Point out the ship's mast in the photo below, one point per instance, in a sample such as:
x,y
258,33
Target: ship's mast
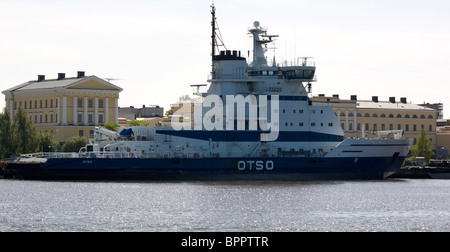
x,y
213,34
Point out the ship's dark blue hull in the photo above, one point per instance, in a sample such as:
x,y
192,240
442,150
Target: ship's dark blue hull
x,y
209,169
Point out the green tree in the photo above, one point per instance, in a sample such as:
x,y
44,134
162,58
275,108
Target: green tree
x,y
6,143
74,144
138,123
25,135
112,126
423,147
47,142
169,112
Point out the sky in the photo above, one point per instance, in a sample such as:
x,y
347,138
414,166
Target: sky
x,y
155,50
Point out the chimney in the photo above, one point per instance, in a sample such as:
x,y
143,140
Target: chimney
x,y
403,100
41,78
392,99
354,98
375,98
61,76
80,74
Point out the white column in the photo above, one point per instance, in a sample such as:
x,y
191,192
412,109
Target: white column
x,y
96,111
86,122
11,109
75,110
107,109
346,120
116,111
64,110
58,111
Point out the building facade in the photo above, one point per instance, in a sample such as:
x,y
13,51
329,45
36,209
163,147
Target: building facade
x,y
66,107
132,113
363,117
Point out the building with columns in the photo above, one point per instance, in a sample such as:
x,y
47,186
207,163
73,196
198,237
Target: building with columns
x,y
363,117
66,107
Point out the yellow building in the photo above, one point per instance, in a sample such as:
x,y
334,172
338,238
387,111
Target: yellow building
x,y
360,117
66,107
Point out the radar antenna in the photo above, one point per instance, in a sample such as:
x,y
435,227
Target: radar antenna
x,y
111,79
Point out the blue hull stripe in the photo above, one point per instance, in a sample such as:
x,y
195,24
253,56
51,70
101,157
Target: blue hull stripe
x,y
253,136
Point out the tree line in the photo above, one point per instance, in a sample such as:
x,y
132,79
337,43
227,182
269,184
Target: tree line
x,y
20,136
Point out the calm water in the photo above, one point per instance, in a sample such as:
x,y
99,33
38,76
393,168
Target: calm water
x,y
393,205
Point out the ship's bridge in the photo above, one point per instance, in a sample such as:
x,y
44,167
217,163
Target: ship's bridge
x,y
303,70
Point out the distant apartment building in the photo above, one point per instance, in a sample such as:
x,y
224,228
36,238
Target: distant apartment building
x,y
131,113
64,106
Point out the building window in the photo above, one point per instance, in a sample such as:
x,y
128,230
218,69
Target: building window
x,y
430,128
367,127
100,118
90,103
79,117
100,104
407,116
51,103
367,115
391,127
399,116
407,127
46,118
414,127
80,103
81,133
375,115
399,127
51,117
90,118
375,127
46,103
40,104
